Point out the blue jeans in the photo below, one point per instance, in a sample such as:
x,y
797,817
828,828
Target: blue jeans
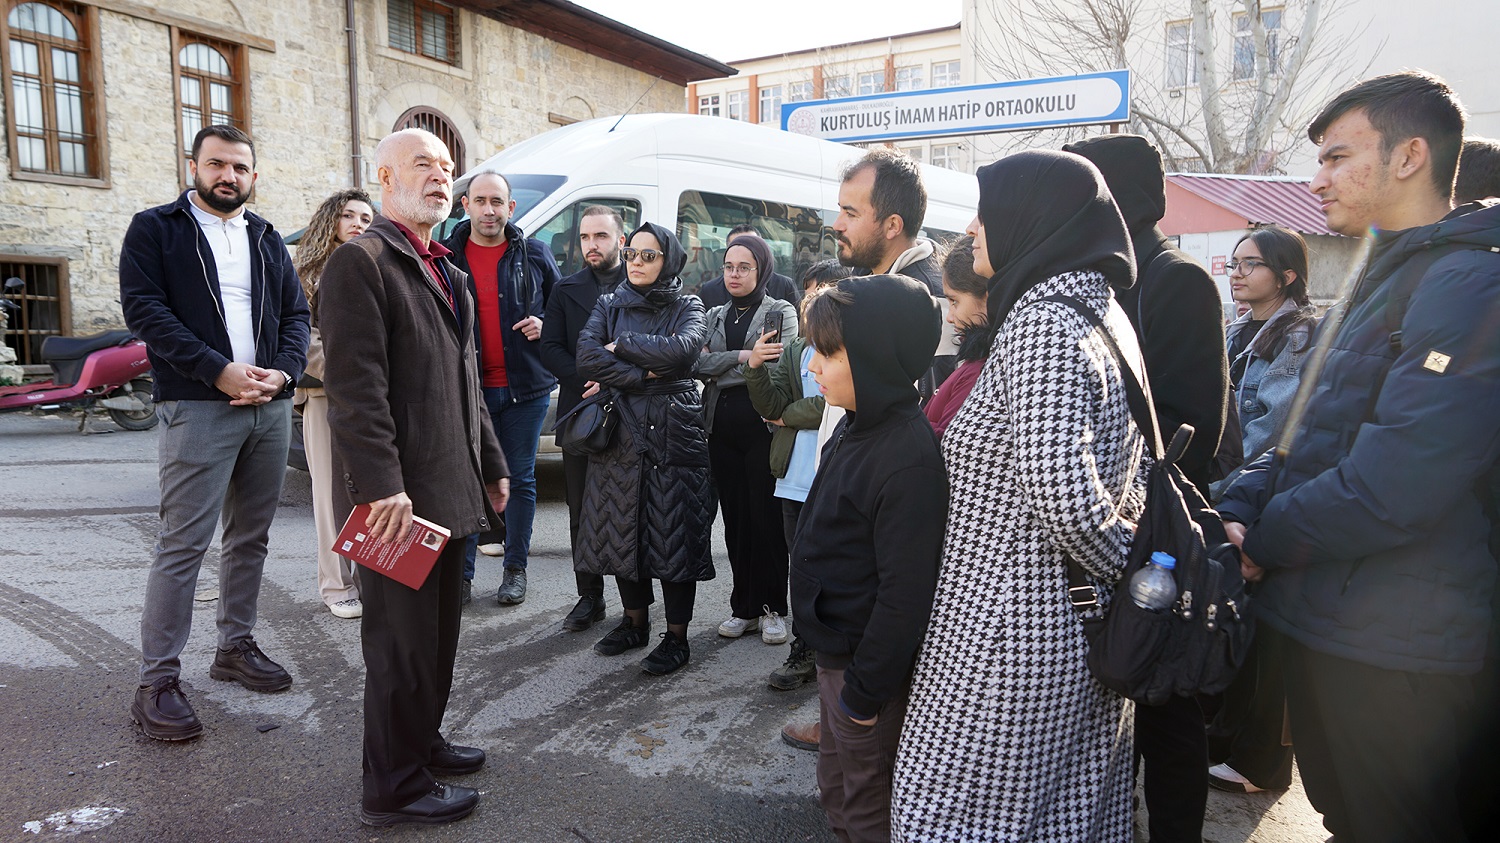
x,y
518,426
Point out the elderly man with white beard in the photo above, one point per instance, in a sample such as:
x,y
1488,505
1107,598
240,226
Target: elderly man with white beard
x,y
410,435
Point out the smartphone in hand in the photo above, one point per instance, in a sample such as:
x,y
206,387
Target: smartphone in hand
x,y
772,326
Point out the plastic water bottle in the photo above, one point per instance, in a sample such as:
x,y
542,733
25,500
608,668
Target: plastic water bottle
x,y
1153,587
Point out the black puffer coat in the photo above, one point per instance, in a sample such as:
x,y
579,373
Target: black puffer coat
x,y
649,506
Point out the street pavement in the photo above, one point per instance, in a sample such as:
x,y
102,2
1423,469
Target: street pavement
x,y
581,747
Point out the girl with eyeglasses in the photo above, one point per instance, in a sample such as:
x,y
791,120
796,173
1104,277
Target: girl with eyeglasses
x,y
648,508
739,442
1266,347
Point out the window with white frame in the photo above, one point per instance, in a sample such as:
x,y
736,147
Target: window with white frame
x,y
770,104
872,83
945,74
1182,70
800,92
709,105
946,155
1244,43
737,105
909,78
836,86
915,153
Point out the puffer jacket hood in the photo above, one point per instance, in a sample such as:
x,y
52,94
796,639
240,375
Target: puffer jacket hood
x,y
890,329
1133,172
1477,224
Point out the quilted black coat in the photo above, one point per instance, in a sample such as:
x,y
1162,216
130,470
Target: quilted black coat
x,y
649,505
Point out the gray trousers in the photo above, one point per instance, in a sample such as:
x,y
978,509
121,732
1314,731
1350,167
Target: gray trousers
x,y
214,459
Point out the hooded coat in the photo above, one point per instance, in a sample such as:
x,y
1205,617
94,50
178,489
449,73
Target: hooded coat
x,y
649,506
1008,736
1174,306
1374,540
865,555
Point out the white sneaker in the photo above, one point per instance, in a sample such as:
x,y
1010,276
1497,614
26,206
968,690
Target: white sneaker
x,y
772,627
495,549
1226,778
735,627
347,609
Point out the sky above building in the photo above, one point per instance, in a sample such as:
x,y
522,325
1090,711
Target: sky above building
x,y
734,31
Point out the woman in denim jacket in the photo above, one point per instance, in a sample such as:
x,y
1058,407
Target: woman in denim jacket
x,y
1266,347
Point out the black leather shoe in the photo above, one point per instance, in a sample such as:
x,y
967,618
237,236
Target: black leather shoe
x,y
623,637
443,804
454,760
669,655
164,712
246,664
588,611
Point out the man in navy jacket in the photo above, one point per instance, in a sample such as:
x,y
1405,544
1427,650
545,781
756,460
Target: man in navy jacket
x,y
210,288
1369,537
512,277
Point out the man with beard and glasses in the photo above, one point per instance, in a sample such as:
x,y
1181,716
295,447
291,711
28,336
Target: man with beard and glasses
x,y
410,436
512,277
210,288
601,235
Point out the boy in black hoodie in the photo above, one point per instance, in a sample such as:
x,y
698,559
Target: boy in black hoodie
x,y
865,556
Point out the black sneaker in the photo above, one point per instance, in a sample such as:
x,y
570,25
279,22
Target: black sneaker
x,y
163,711
243,662
512,587
623,637
669,655
798,669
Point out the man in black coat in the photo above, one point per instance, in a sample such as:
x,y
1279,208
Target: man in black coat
x,y
1176,311
715,293
601,235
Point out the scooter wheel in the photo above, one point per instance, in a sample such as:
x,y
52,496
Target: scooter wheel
x,y
143,419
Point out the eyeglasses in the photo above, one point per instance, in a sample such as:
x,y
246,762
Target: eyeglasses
x,y
738,269
1248,264
646,255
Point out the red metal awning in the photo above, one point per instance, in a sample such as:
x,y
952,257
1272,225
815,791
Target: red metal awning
x,y
1259,199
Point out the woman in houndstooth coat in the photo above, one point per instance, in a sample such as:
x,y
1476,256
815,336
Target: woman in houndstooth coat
x,y
1008,737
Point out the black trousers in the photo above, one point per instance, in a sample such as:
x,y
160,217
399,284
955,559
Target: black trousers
x,y
1378,749
739,452
575,478
409,639
790,512
678,597
1248,729
1171,740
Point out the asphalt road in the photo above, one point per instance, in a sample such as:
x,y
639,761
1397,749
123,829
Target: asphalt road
x,y
581,747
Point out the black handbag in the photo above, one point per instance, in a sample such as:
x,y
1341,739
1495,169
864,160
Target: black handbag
x,y
1198,644
589,427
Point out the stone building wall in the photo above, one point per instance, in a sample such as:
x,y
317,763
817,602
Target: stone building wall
x,y
508,83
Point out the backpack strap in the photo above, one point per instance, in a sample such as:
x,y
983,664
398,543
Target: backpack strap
x,y
1409,278
1137,390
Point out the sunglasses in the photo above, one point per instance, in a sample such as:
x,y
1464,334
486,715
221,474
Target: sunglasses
x,y
646,255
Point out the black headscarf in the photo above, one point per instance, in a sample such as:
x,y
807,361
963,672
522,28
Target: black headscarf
x,y
1046,213
667,286
765,266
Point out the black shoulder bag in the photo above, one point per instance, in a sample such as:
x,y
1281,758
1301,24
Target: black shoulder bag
x,y
589,427
1197,645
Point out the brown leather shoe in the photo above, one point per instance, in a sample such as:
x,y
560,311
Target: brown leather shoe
x,y
803,735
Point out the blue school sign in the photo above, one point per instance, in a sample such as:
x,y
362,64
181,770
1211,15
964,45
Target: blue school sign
x,y
1089,98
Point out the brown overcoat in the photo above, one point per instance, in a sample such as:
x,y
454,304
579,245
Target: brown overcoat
x,y
404,402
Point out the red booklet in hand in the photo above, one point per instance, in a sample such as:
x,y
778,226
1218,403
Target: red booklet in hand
x,y
407,560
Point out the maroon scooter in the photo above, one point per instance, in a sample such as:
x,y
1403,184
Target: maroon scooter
x,y
109,369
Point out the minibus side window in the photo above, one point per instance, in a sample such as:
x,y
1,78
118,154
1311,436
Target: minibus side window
x,y
560,233
794,232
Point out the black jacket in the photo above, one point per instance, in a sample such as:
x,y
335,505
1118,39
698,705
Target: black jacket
x,y
648,509
714,293
525,286
169,291
1373,537
568,310
864,560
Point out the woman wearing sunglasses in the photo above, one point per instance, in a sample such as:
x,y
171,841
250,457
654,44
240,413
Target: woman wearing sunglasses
x,y
739,444
648,509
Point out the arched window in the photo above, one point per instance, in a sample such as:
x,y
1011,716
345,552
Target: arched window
x,y
438,123
210,88
50,107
